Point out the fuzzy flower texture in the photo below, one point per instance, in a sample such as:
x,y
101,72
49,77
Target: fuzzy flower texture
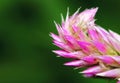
x,y
88,45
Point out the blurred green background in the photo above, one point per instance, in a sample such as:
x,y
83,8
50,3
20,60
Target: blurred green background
x,y
25,45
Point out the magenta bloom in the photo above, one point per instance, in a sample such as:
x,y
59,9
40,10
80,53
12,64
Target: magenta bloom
x,y
89,45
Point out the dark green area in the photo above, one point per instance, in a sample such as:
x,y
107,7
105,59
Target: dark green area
x,y
25,45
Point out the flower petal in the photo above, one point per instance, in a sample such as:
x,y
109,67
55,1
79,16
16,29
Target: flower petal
x,y
100,46
114,73
116,58
93,71
76,63
63,46
88,14
55,37
68,54
106,59
84,46
90,59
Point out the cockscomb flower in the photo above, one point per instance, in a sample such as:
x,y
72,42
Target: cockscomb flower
x,y
88,45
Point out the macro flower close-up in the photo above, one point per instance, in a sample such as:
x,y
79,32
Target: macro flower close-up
x,y
88,45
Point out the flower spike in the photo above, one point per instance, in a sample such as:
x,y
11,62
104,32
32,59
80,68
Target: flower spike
x,y
88,44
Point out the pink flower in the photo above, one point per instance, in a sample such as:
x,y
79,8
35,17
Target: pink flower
x,y
88,44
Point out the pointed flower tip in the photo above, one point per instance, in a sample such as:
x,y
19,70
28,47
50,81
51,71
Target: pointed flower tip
x,y
59,52
64,54
89,14
75,63
55,37
87,74
51,34
94,10
70,64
